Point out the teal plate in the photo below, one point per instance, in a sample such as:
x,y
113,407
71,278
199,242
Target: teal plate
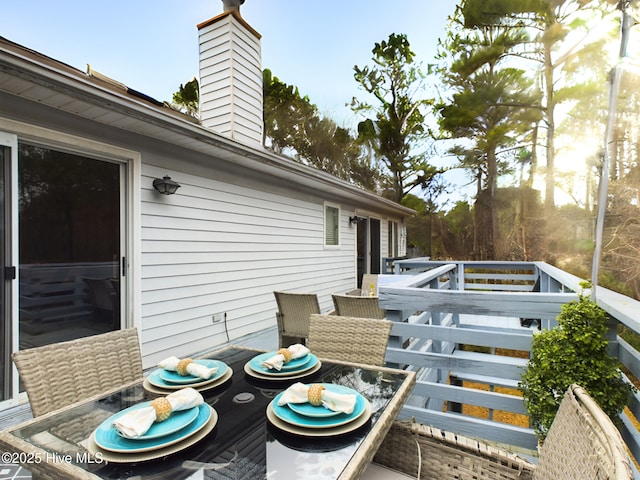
x,y
287,414
175,422
107,437
301,365
175,377
308,410
155,378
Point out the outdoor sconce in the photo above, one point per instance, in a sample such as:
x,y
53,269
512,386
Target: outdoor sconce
x,y
354,220
165,185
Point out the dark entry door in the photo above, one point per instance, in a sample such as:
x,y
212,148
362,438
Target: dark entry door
x,y
374,249
368,247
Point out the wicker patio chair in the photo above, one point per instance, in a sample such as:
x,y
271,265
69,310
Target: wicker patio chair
x,y
582,443
62,373
354,306
350,339
293,316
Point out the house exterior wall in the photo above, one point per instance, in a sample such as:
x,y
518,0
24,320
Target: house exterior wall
x,y
223,248
221,245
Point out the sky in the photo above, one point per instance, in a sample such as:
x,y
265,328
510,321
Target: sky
x,y
152,45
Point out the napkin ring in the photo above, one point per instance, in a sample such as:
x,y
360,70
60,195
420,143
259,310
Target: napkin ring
x,y
182,366
162,406
286,353
315,394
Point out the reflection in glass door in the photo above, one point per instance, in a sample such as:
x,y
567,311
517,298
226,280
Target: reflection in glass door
x,y
69,244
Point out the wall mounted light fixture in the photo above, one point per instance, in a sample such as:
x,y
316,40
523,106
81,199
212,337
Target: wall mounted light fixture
x,y
354,220
165,185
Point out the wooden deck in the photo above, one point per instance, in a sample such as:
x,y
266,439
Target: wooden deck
x,y
457,322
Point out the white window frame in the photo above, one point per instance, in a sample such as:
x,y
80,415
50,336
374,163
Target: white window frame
x,y
392,238
325,208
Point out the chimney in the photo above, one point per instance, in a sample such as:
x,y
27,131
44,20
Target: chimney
x,y
231,76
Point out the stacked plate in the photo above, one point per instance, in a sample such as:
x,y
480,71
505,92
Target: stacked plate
x,y
181,430
163,381
311,421
294,369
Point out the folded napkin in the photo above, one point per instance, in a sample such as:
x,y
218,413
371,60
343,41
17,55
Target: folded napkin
x,y
137,422
337,402
192,368
275,362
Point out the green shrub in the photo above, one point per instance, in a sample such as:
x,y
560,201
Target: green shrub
x,y
573,352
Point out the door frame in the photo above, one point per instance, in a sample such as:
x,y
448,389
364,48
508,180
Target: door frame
x,y
10,311
131,163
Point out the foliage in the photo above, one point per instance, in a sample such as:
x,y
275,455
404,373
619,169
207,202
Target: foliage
x,y
398,124
285,113
490,113
187,98
562,50
293,126
573,352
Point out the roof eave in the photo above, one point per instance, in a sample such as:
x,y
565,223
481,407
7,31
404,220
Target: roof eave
x,y
160,123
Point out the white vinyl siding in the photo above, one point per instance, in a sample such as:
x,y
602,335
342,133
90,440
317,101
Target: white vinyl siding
x,y
231,80
215,247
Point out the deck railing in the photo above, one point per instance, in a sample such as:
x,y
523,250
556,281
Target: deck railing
x,y
439,307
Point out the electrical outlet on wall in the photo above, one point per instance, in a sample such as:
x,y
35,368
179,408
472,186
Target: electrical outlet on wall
x,y
218,317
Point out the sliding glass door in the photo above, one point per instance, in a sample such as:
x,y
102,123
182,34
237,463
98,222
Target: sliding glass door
x,y
70,244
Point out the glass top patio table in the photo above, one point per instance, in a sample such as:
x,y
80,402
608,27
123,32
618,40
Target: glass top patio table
x,y
243,444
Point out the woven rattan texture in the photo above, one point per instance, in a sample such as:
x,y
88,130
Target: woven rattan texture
x,y
293,315
582,443
444,456
62,373
350,339
353,306
43,470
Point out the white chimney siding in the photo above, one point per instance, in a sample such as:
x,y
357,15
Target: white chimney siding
x,y
231,78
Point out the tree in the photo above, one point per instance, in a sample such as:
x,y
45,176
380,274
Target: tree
x,y
293,126
187,98
285,113
562,30
492,109
398,124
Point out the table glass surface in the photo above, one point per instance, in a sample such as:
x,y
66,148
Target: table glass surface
x,y
243,445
